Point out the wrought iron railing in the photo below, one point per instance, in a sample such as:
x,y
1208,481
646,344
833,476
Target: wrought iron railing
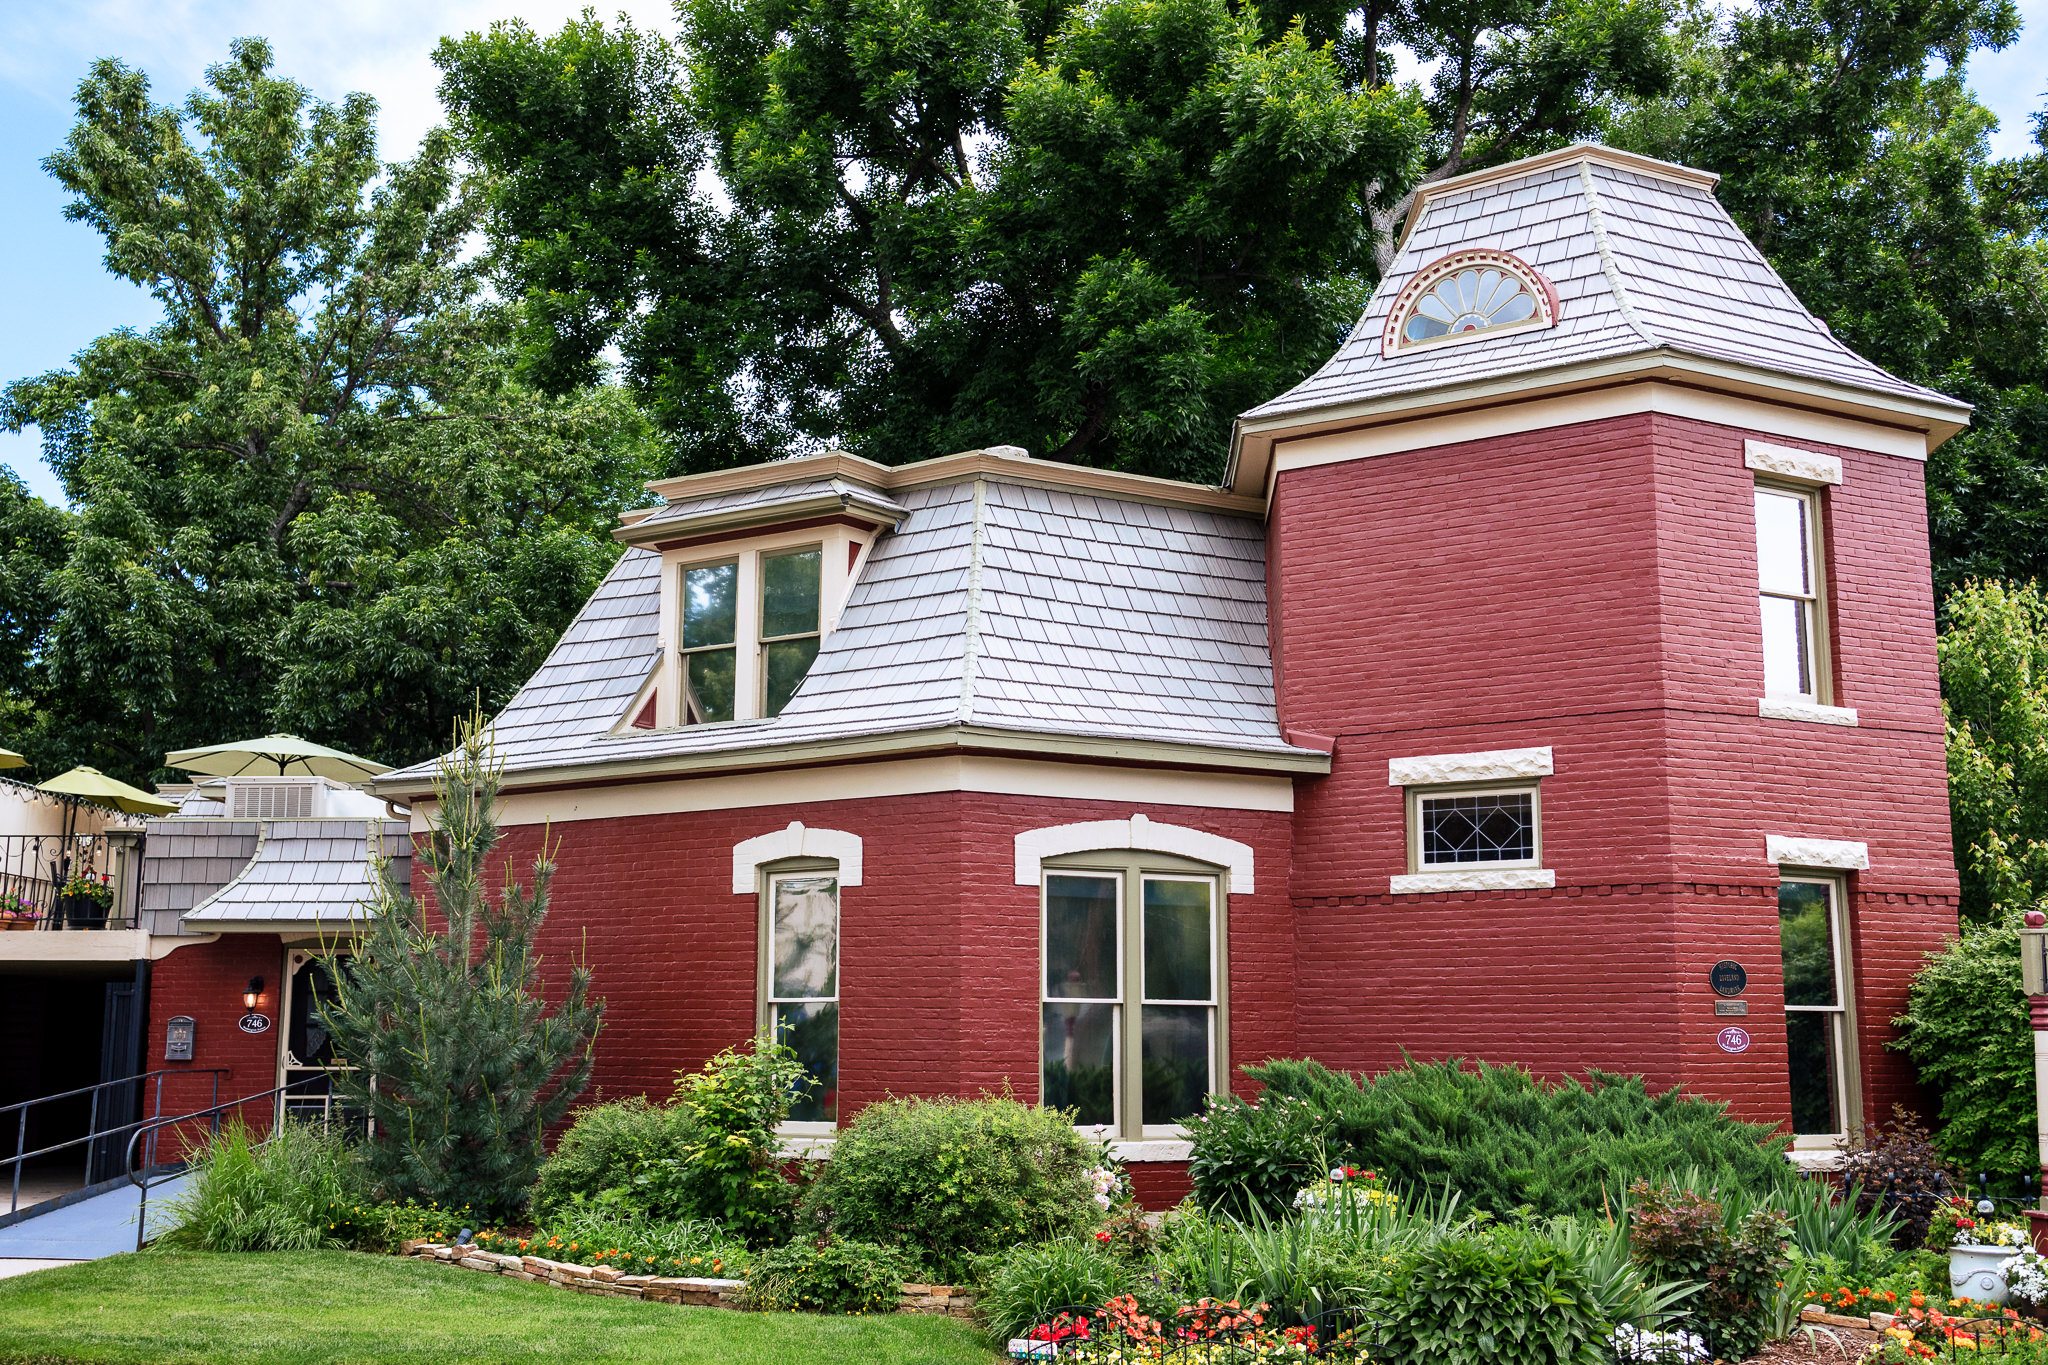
x,y
99,869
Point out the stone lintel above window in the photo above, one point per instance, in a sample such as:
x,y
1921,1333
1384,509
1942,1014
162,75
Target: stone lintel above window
x,y
1796,850
1789,462
1491,765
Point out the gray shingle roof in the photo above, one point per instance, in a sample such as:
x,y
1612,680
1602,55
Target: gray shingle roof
x,y
1642,262
307,872
996,605
677,516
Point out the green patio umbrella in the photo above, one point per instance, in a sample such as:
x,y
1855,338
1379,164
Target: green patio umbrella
x,y
275,756
90,784
11,759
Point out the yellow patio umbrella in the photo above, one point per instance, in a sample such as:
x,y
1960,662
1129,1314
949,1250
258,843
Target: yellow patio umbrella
x,y
11,759
275,756
90,784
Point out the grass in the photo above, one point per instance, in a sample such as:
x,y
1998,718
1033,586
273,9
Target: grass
x,y
331,1307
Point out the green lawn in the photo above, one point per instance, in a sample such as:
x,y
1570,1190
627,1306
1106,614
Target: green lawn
x,y
342,1308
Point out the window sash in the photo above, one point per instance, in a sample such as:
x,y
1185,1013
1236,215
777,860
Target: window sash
x,y
1145,939
1837,1041
1789,590
775,940
1418,799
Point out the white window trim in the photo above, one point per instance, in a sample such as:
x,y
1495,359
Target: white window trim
x,y
1835,855
1489,765
1034,846
794,840
1789,462
1817,705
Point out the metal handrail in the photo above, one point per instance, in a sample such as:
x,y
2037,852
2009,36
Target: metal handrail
x,y
139,1174
92,1126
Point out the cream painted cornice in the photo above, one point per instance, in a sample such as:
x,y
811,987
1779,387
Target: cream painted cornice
x,y
641,531
1253,440
936,740
1563,156
1006,463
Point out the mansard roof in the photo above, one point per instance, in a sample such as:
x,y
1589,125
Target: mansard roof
x,y
1645,263
1003,606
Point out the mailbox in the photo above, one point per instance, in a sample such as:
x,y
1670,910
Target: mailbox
x,y
178,1039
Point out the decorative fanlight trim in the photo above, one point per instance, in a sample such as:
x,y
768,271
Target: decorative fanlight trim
x,y
1466,296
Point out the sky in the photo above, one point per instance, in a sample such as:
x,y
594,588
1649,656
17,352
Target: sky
x,y
55,295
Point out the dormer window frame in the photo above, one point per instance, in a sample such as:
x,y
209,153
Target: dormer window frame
x,y
1546,308
843,548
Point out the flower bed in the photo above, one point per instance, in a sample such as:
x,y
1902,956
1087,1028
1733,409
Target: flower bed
x,y
695,1291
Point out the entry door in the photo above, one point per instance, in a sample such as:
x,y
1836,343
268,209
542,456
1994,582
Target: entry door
x,y
305,1054
120,1057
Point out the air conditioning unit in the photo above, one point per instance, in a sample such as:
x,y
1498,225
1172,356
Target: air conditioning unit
x,y
279,798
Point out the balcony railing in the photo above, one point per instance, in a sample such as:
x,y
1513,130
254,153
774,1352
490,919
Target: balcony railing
x,y
35,869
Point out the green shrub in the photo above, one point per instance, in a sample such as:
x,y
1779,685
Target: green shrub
x,y
1486,1297
1966,1029
736,1102
633,1151
829,1275
949,1180
1027,1284
1254,1155
1899,1167
1737,1262
1506,1140
274,1195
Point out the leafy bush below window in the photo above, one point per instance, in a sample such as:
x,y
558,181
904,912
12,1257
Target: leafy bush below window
x,y
949,1180
634,1151
1736,1260
1966,1029
1495,1294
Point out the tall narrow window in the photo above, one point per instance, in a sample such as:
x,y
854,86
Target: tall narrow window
x,y
789,623
710,621
1817,1037
1788,592
1135,1070
1083,994
803,984
1180,998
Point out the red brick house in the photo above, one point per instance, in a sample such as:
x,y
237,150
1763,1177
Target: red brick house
x,y
1568,634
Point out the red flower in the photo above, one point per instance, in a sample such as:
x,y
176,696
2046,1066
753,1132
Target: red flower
x,y
1102,1237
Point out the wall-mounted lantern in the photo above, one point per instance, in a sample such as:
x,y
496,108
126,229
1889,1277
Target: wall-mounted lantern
x,y
253,997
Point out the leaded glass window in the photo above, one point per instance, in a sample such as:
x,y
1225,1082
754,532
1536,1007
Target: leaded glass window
x,y
1478,827
1469,301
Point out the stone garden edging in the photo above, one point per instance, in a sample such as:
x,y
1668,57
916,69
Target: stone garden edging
x,y
940,1299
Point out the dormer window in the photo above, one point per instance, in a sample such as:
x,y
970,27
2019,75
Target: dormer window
x,y
756,565
1468,295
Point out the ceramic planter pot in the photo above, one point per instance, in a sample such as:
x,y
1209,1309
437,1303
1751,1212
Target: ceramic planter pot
x,y
1973,1272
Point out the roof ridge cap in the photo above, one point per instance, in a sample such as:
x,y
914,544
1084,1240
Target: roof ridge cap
x,y
970,655
1596,219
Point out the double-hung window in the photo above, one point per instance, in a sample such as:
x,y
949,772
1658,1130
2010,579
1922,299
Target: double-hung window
x,y
1820,1044
1789,593
1131,1012
800,1002
750,627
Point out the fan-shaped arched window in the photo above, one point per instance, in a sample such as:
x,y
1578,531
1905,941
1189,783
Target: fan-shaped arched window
x,y
1469,294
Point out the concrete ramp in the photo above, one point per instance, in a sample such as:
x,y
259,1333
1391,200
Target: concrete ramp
x,y
103,1225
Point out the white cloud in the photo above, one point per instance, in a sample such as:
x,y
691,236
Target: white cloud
x,y
382,47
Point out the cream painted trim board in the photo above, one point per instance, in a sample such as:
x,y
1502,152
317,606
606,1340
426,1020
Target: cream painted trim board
x,y
1794,850
1491,765
1034,846
98,945
1783,708
1621,401
795,841
903,777
1806,466
1500,879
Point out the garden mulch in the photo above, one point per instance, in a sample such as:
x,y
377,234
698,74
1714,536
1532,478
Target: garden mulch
x,y
1847,1344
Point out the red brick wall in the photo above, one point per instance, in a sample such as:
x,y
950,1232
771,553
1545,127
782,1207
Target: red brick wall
x,y
206,981
1600,599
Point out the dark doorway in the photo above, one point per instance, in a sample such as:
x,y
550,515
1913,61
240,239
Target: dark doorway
x,y
60,1033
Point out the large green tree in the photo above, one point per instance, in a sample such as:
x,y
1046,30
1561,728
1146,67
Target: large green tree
x,y
1097,231
315,496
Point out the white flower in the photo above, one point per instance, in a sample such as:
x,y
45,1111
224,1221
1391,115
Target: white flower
x,y
1635,1344
2026,1275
